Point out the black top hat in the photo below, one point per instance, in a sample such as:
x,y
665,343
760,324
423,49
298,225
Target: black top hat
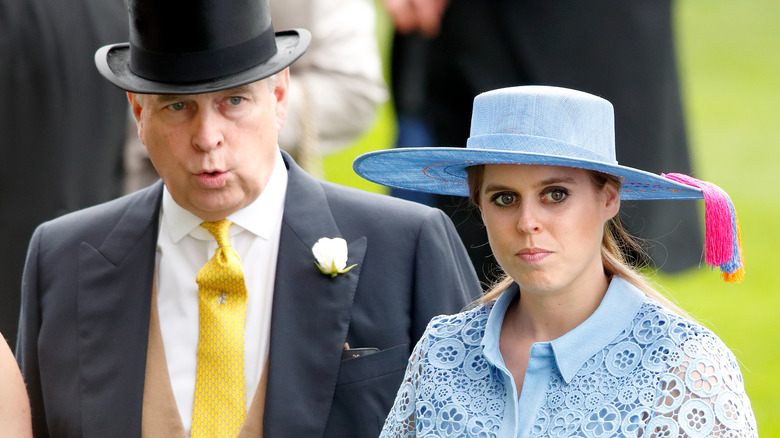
x,y
198,46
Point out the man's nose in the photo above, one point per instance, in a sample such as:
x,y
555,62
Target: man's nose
x,y
207,134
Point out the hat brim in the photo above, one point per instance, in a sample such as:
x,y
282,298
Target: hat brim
x,y
442,170
113,62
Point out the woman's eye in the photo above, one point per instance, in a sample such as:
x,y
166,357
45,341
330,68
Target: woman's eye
x,y
556,194
503,199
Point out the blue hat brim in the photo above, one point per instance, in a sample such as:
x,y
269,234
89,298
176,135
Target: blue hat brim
x,y
442,170
113,62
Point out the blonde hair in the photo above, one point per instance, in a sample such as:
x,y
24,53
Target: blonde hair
x,y
616,246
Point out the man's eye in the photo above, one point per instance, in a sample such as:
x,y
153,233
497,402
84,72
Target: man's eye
x,y
235,100
503,199
178,106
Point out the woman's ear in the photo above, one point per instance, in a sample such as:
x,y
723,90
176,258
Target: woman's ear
x,y
476,201
611,201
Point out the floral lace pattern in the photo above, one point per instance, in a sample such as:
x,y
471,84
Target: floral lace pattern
x,y
662,377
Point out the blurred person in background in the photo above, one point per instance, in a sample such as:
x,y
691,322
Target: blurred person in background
x,y
63,127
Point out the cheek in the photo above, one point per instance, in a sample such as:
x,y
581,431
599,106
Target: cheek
x,y
586,230
166,150
281,117
500,230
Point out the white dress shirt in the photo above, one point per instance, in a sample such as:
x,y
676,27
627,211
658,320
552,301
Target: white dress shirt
x,y
183,247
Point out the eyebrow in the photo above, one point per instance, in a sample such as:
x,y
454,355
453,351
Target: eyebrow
x,y
171,98
493,187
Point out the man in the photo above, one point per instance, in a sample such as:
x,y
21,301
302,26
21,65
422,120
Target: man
x,y
130,327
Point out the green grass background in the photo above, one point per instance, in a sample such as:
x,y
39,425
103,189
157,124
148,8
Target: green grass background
x,y
729,55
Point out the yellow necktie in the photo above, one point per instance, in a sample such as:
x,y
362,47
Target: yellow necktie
x,y
220,394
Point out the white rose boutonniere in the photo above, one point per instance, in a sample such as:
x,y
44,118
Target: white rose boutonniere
x,y
330,255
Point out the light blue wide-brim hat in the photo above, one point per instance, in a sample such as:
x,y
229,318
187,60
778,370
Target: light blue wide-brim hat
x,y
522,125
552,126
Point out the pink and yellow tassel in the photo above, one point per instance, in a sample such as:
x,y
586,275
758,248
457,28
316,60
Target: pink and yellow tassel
x,y
723,238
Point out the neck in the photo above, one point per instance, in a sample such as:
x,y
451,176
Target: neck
x,y
544,317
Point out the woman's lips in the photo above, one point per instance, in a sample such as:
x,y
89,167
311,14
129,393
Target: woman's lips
x,y
533,255
212,180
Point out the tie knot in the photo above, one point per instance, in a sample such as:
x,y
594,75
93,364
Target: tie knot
x,y
220,231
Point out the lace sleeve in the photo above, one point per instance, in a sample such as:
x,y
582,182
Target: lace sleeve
x,y
704,396
400,421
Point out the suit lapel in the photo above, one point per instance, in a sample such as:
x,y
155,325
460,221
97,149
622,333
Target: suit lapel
x,y
114,298
310,317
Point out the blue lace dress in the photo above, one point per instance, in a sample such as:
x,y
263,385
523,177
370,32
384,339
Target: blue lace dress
x,y
632,369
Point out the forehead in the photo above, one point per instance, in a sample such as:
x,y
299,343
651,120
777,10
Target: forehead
x,y
528,173
252,89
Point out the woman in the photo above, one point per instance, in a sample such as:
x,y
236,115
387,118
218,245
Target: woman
x,y
14,406
574,341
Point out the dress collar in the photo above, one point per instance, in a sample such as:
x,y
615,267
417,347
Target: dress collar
x,y
614,314
254,218
575,348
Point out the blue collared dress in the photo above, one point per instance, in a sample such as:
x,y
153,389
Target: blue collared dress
x,y
632,369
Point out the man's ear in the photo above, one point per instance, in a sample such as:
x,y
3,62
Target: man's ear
x,y
136,107
282,94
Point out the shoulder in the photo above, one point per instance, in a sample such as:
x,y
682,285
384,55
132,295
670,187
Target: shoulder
x,y
350,205
466,328
355,206
339,194
97,221
673,342
655,327
654,320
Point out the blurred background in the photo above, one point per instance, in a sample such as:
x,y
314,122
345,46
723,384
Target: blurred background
x,y
729,64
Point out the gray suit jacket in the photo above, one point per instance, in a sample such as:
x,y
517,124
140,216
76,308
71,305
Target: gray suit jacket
x,y
86,302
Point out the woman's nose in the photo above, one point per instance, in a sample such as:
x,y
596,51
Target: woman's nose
x,y
529,222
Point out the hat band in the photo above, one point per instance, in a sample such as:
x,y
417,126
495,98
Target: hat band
x,y
204,65
536,145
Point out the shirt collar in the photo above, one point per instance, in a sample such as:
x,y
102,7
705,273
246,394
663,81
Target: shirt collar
x,y
259,217
493,327
572,350
615,313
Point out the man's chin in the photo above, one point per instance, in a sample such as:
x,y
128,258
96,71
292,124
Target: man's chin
x,y
215,206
